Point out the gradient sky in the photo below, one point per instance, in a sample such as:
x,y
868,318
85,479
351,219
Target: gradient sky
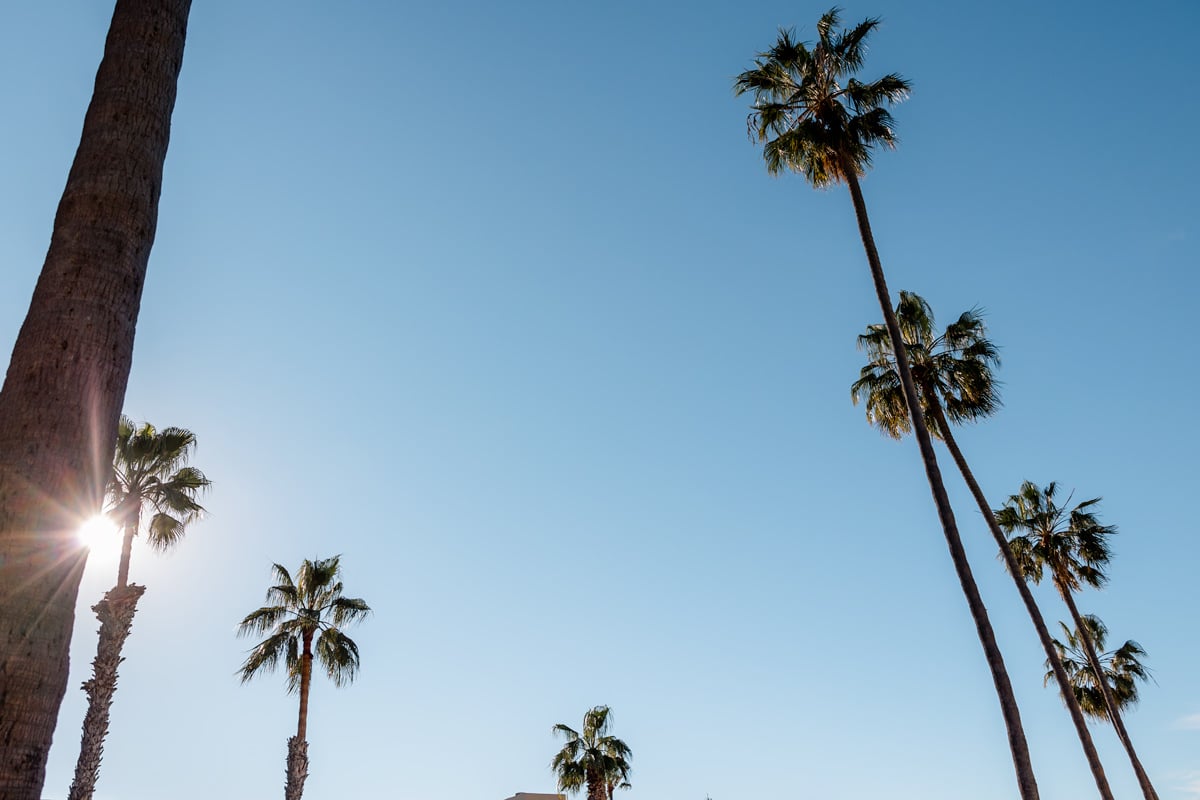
x,y
497,301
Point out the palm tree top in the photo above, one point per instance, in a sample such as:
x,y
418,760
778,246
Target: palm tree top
x,y
150,465
812,114
306,606
953,369
592,755
1071,541
1122,668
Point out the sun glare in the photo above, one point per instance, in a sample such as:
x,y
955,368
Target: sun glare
x,y
101,537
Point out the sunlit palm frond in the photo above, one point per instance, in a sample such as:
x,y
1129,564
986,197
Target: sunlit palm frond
x,y
265,656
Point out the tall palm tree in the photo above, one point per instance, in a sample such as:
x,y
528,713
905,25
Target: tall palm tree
x,y
1072,546
150,473
304,623
953,372
1123,668
66,381
592,759
817,119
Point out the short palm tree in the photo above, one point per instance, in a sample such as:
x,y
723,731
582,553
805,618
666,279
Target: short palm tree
x,y
1123,668
1072,546
150,474
814,117
304,623
592,759
953,371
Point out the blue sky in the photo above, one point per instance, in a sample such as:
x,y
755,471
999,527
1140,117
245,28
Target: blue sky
x,y
499,302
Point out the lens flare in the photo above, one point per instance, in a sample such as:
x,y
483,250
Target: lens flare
x,y
101,537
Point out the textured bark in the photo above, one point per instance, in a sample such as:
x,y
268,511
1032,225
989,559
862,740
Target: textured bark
x,y
1114,712
115,613
297,768
1031,606
66,381
597,788
1026,782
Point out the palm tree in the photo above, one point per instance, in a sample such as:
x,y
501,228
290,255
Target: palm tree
x,y
65,384
953,373
1072,545
1123,668
817,119
592,759
304,622
149,473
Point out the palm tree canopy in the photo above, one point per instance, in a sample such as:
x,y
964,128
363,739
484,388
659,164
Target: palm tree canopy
x,y
592,755
952,369
1070,541
1122,668
812,114
150,467
310,605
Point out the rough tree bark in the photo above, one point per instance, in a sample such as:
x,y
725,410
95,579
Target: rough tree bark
x,y
297,768
115,613
66,381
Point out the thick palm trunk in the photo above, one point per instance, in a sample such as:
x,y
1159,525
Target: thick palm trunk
x,y
1114,712
115,613
297,763
66,381
1035,614
596,788
1026,782
297,769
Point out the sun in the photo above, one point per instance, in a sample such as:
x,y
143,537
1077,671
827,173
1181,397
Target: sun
x,y
101,536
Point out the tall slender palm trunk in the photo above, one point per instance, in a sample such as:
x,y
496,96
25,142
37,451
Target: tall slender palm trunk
x,y
1114,712
297,762
1026,782
1031,606
115,613
66,381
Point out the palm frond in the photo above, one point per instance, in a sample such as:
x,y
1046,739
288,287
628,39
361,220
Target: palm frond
x,y
265,656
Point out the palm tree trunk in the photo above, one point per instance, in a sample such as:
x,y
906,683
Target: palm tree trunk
x,y
115,613
131,520
596,787
1026,782
70,365
1035,614
1114,713
297,768
297,763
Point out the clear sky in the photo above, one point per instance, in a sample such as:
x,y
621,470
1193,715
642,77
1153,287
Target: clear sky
x,y
498,301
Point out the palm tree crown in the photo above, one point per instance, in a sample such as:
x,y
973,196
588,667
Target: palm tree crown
x,y
307,608
952,369
814,117
1071,542
592,759
1122,668
150,470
